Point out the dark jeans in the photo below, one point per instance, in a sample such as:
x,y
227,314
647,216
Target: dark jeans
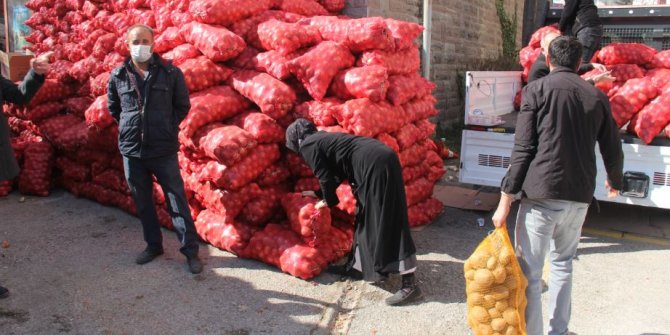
x,y
590,38
166,170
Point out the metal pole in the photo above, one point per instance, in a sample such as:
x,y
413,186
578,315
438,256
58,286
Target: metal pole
x,y
427,27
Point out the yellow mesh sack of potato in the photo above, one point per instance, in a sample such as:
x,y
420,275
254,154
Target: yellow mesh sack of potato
x,y
495,287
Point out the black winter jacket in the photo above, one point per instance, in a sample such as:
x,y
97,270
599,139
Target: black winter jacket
x,y
578,14
540,69
561,119
149,119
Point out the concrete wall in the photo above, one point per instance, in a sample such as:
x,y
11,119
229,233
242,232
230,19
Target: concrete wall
x,y
463,31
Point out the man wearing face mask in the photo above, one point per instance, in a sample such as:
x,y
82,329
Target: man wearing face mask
x,y
148,98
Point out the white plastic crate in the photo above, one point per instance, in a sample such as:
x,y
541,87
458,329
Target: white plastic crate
x,y
489,95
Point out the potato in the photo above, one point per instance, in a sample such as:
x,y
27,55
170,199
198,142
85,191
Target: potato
x,y
467,266
511,330
492,263
474,287
495,313
475,299
502,305
499,324
489,301
480,315
511,316
512,302
511,282
499,293
470,274
484,277
479,259
505,256
499,274
484,330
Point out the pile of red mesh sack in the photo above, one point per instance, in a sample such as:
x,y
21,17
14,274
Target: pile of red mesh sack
x,y
642,76
252,67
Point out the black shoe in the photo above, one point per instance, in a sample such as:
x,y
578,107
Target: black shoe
x,y
4,293
405,295
339,270
345,272
148,255
194,264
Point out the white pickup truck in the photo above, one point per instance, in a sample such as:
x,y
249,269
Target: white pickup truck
x,y
489,137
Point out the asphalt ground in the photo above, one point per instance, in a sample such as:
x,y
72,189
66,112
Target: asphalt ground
x,y
69,264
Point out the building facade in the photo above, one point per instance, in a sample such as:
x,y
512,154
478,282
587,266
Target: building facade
x,y
463,32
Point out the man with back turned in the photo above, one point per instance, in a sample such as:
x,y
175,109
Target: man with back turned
x,y
553,166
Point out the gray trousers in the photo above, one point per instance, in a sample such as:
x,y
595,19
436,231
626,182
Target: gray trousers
x,y
554,227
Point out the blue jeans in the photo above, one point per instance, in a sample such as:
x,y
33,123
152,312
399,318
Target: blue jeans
x,y
552,226
139,174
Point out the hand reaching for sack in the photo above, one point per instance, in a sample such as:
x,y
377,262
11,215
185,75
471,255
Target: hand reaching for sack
x,y
41,63
321,204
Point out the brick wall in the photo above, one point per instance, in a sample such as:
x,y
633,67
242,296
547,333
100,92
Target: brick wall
x,y
356,8
462,31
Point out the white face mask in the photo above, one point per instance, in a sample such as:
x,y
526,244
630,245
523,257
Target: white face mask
x,y
140,53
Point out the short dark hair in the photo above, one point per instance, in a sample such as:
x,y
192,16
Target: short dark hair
x,y
565,51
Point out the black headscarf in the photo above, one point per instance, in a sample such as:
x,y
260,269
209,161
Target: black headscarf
x,y
296,133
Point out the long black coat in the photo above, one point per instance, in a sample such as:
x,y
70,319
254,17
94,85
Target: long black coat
x,y
374,172
18,94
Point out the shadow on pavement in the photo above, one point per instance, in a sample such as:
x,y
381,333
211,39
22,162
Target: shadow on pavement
x,y
589,245
102,291
235,296
442,248
442,282
444,245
